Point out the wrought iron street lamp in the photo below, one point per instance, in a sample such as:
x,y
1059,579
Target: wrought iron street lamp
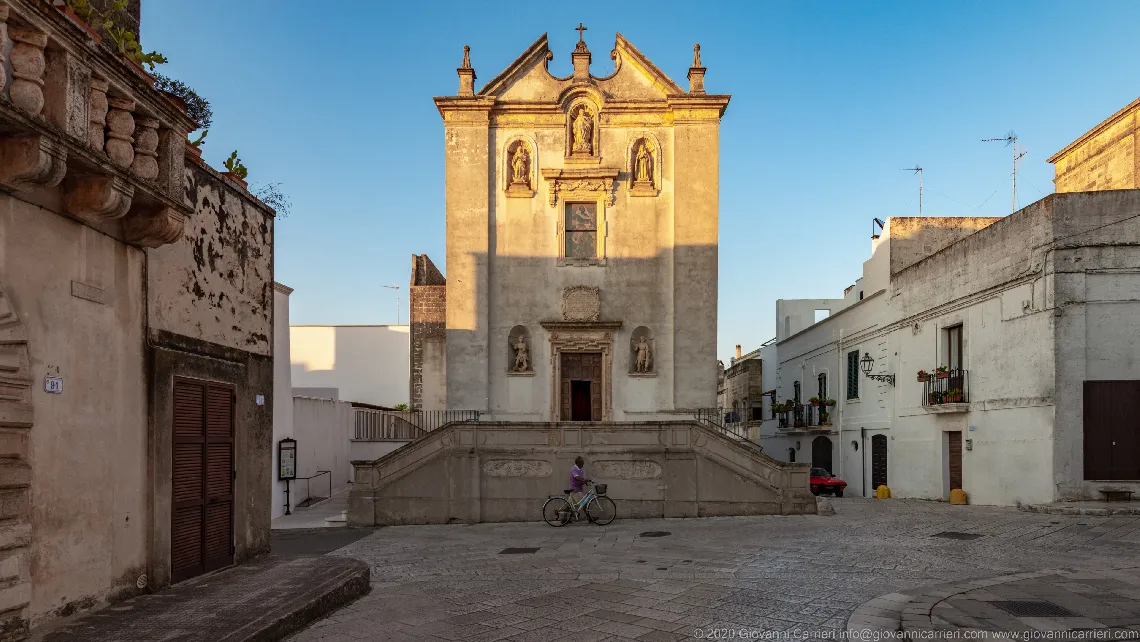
x,y
867,363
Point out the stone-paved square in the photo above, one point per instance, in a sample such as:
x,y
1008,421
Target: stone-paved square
x,y
799,574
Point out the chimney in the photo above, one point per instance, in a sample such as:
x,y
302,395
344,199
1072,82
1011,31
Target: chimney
x,y
738,351
466,75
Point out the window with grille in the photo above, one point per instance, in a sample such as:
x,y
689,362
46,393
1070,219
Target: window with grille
x,y
853,374
581,230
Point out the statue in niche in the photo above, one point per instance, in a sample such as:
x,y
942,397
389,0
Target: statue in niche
x,y
643,354
522,356
582,133
520,166
643,164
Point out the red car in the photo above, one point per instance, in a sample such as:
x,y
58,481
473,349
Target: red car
x,y
824,482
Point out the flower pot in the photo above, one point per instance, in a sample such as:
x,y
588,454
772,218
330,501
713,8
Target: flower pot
x,y
942,375
130,62
923,378
233,177
815,404
934,400
79,21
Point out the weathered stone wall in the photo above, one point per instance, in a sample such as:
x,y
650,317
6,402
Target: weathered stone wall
x,y
216,283
495,472
77,535
1107,157
428,314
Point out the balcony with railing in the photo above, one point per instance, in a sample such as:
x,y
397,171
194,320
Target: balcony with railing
x,y
947,391
391,425
79,115
805,417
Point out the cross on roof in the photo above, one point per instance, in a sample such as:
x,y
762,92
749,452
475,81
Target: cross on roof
x,y
580,29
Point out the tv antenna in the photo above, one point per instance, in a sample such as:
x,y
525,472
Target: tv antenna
x,y
1018,152
917,170
397,289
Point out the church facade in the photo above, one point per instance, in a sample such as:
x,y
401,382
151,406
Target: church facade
x,y
582,217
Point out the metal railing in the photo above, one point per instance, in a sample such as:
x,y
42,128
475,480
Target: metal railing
x,y
309,499
392,425
952,386
722,421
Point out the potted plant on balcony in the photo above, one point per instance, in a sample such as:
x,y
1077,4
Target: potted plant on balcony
x,y
923,376
953,395
830,403
235,171
935,398
942,372
814,401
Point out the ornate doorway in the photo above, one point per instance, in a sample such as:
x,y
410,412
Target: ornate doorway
x,y
581,352
581,386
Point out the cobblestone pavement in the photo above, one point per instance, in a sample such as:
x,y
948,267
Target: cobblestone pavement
x,y
798,574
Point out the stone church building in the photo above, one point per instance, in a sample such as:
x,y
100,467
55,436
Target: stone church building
x,y
582,217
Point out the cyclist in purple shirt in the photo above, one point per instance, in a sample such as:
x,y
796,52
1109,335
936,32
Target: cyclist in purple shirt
x,y
577,479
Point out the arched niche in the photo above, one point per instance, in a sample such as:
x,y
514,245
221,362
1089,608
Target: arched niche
x,y
642,353
583,135
520,167
520,352
643,160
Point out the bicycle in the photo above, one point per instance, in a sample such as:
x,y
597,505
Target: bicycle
x,y
560,510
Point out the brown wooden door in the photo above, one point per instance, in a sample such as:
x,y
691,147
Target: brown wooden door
x,y
201,537
581,367
955,459
1112,430
878,461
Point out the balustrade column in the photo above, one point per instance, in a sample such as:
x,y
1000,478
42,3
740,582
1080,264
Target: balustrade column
x,y
3,44
28,65
120,130
145,165
97,113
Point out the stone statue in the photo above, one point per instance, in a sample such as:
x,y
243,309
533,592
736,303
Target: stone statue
x,y
696,55
522,358
466,56
520,166
583,132
644,172
642,348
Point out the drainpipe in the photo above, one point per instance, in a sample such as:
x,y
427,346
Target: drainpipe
x,y
839,366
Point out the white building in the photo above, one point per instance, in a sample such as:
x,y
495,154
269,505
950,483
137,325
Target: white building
x,y
357,363
282,390
1034,315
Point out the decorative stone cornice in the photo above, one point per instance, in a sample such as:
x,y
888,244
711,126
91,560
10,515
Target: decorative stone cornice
x,y
701,108
155,228
475,110
588,179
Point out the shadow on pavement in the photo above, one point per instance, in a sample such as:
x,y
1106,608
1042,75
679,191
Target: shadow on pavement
x,y
314,541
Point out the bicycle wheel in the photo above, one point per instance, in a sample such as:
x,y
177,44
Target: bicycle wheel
x,y
556,511
601,510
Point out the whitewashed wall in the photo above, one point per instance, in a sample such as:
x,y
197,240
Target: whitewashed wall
x,y
282,389
323,428
366,364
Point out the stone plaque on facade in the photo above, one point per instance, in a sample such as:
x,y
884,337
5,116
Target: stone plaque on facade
x,y
581,303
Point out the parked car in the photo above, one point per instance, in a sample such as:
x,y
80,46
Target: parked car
x,y
824,482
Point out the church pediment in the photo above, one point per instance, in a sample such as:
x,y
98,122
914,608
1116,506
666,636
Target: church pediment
x,y
528,78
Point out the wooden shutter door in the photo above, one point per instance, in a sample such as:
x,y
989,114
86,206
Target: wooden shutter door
x,y
954,441
201,536
187,492
878,461
219,477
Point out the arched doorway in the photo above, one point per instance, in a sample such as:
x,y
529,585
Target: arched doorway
x,y
821,453
878,461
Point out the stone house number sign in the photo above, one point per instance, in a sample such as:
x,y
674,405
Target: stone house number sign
x,y
53,384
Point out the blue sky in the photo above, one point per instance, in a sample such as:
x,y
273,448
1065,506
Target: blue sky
x,y
829,101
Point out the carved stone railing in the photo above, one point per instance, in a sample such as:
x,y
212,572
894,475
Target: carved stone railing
x,y
82,119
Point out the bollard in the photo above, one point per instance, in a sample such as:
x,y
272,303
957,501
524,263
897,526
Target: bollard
x,y
883,492
958,496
